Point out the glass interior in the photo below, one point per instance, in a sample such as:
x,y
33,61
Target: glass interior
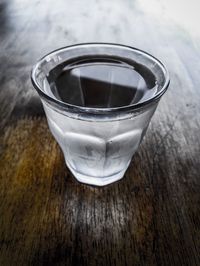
x,y
100,76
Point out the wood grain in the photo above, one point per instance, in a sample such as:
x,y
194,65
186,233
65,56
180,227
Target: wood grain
x,y
151,216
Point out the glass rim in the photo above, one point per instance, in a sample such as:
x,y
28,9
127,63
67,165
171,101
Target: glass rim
x,y
91,110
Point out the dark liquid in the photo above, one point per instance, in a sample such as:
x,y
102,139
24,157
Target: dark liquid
x,y
102,83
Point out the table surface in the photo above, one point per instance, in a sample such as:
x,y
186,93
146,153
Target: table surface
x,y
151,216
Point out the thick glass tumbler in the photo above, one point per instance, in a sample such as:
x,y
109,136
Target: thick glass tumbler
x,y
99,99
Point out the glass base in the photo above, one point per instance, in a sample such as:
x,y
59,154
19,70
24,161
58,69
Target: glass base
x,y
97,181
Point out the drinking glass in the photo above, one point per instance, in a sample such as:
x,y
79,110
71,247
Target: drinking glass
x,y
98,143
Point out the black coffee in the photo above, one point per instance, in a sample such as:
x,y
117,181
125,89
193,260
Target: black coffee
x,y
102,83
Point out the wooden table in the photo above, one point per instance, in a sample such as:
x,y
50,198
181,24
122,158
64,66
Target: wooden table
x,y
151,217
